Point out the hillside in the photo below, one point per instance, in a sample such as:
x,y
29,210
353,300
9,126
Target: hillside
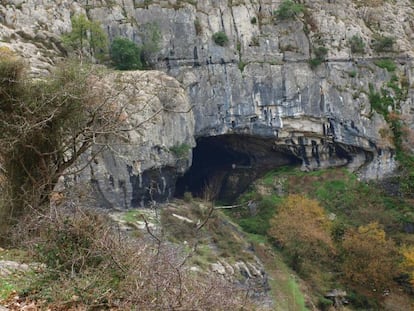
x,y
257,149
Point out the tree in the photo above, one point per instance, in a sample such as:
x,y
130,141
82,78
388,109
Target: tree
x,y
369,257
288,9
125,54
151,37
86,36
45,125
408,262
357,44
302,229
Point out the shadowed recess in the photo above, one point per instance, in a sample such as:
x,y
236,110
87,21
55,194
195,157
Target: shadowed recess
x,y
224,166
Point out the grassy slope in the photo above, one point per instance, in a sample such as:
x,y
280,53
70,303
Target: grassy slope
x,y
351,202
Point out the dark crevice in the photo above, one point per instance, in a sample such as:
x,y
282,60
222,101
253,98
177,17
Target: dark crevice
x,y
228,164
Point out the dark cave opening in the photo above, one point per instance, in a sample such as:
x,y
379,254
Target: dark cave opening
x,y
224,166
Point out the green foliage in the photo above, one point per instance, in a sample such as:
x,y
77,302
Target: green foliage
x,y
151,38
352,73
357,44
253,20
188,197
125,54
36,119
181,151
288,9
383,44
380,101
71,243
387,64
298,299
320,54
254,217
220,38
324,304
241,65
86,36
147,3
6,288
346,200
198,27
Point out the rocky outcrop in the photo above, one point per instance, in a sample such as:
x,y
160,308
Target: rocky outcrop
x,y
260,84
142,159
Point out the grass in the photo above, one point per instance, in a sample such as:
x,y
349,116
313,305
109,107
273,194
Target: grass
x,y
387,64
132,215
6,288
296,297
284,285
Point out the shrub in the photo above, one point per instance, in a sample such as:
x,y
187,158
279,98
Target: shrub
x,y
320,54
151,37
408,262
94,266
253,20
181,151
383,44
302,229
40,120
86,36
387,64
125,54
369,257
288,9
357,44
220,38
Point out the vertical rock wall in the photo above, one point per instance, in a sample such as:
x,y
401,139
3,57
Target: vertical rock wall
x,y
260,83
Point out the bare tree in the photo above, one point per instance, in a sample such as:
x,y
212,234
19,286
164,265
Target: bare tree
x,y
46,125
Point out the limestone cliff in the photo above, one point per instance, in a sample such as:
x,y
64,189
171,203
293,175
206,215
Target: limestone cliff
x,y
260,83
153,146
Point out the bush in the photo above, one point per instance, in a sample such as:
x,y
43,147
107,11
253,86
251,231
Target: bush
x,y
91,265
387,64
369,257
302,229
40,121
86,36
288,9
357,44
320,54
383,44
181,151
151,37
125,54
220,38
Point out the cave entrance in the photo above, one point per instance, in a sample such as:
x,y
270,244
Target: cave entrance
x,y
224,166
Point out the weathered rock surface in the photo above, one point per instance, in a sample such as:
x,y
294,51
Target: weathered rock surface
x,y
142,163
259,85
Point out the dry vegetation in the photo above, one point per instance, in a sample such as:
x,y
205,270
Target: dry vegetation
x,y
45,125
92,265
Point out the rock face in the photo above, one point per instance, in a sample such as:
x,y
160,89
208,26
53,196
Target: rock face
x,y
141,164
260,84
